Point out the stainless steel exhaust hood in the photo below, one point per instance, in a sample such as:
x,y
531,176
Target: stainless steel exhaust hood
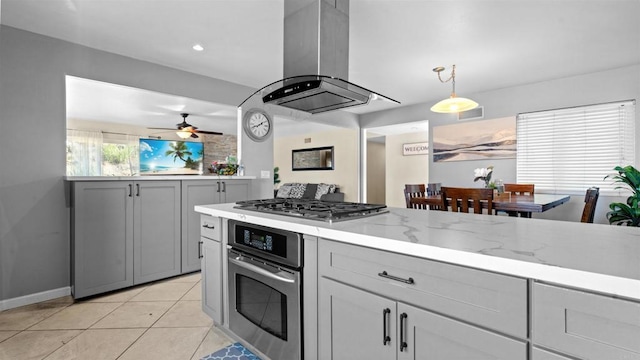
x,y
316,60
315,94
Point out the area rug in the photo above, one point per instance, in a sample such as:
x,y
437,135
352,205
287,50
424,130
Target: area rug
x,y
232,352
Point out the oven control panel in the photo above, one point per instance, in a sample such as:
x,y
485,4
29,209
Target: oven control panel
x,y
258,240
281,246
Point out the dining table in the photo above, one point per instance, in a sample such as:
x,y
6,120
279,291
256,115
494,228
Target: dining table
x,y
513,204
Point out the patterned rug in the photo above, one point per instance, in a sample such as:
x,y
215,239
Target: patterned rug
x,y
232,352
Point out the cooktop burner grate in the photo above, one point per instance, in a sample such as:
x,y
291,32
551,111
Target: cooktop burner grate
x,y
313,209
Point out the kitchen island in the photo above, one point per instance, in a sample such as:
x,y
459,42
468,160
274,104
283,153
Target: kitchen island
x,y
570,288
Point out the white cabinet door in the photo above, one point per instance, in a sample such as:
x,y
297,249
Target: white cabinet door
x,y
156,240
194,192
354,324
234,190
212,279
102,237
430,336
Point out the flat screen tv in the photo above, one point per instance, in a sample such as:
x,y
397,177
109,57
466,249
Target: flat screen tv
x,y
170,157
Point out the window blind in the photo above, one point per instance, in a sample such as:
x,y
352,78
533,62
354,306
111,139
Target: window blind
x,y
566,151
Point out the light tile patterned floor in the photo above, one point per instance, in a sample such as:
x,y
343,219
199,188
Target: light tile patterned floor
x,y
160,321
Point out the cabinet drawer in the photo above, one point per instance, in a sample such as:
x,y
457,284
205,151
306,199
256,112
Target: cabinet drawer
x,y
491,300
585,325
539,354
210,227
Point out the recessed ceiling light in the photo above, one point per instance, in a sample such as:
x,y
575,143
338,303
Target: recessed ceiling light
x,y
198,47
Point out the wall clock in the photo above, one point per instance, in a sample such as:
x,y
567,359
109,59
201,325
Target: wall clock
x,y
257,124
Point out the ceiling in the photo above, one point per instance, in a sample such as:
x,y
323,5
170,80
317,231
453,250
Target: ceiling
x,y
393,44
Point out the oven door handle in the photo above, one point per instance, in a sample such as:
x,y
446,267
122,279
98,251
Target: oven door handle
x,y
243,264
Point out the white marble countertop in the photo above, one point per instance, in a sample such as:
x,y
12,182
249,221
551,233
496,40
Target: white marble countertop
x,y
595,257
156,177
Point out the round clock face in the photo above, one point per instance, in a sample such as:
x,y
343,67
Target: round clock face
x,y
257,125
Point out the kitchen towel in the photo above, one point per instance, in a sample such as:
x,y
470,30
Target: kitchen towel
x,y
232,352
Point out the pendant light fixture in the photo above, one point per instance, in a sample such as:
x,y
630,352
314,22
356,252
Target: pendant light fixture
x,y
453,104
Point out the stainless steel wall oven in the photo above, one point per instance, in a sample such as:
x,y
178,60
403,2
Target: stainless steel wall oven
x,y
265,288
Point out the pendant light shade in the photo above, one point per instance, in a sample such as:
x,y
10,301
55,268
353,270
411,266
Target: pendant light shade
x,y
453,104
183,134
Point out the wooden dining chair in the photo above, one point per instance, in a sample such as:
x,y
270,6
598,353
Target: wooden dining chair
x,y
460,198
590,200
413,191
418,203
519,189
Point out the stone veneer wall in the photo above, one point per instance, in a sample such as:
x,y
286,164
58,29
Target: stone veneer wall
x,y
218,147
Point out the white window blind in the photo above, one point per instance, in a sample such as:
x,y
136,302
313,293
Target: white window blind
x,y
567,151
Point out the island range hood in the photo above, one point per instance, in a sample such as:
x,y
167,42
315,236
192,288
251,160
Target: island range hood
x,y
316,60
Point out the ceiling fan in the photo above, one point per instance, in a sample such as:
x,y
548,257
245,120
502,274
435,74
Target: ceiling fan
x,y
186,130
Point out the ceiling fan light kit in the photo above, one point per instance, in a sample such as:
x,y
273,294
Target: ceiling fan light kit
x,y
186,130
453,104
183,134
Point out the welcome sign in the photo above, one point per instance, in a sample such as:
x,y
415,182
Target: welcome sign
x,y
415,148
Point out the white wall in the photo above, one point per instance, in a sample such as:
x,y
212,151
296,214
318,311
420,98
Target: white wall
x,y
345,173
600,87
401,170
34,204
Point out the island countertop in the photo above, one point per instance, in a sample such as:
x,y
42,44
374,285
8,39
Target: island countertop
x,y
594,257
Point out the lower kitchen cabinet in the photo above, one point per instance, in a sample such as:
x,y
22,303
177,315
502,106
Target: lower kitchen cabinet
x,y
211,268
584,325
156,230
352,323
202,192
102,237
124,233
356,324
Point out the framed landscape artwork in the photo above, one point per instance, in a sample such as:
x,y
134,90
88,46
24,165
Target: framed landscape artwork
x,y
477,140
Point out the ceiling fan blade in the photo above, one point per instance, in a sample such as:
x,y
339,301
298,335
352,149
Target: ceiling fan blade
x,y
193,135
161,128
208,132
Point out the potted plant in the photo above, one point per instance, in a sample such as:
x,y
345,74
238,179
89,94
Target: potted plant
x,y
276,180
629,213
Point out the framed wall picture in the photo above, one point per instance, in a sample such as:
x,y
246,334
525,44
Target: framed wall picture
x,y
320,158
475,140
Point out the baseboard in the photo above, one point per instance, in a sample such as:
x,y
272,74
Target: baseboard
x,y
34,298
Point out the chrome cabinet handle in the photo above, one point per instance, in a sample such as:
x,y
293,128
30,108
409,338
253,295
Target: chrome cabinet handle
x,y
403,343
385,337
218,190
200,249
243,264
130,190
384,274
224,186
137,189
207,226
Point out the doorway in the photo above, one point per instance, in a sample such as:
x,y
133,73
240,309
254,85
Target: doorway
x,y
387,167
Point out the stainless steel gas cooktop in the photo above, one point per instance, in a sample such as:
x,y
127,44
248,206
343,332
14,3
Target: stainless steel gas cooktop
x,y
313,209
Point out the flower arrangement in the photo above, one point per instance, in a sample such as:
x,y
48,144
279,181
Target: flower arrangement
x,y
226,167
484,174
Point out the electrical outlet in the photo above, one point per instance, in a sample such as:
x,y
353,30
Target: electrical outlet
x,y
265,174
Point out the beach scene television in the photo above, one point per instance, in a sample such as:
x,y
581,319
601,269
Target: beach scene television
x,y
170,157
